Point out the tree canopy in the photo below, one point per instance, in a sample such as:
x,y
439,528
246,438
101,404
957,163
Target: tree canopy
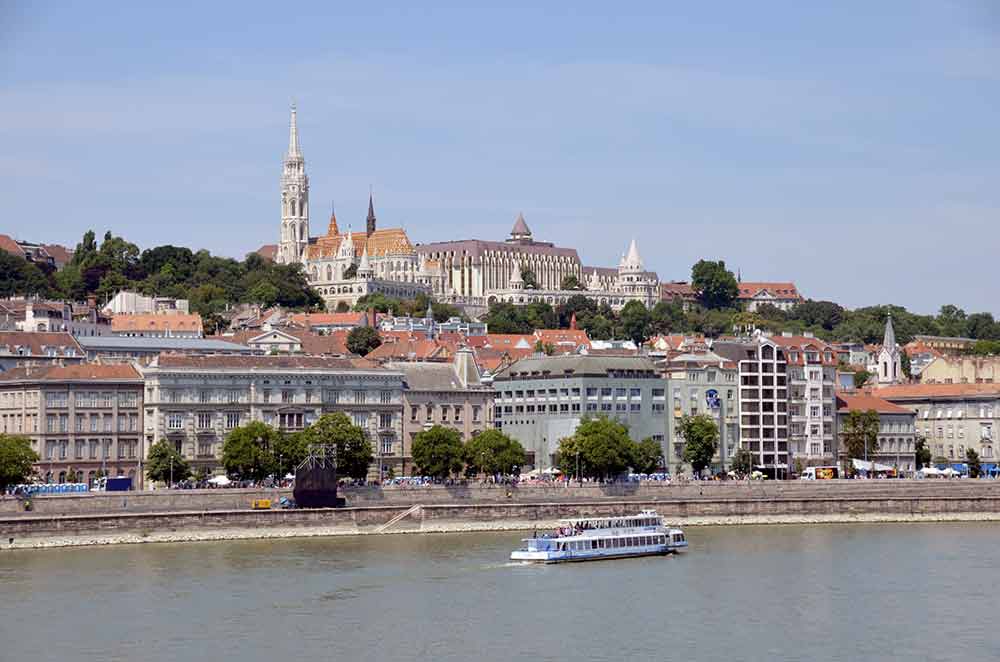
x,y
249,451
438,452
16,459
600,447
716,286
354,449
860,434
494,453
363,339
165,464
648,456
701,437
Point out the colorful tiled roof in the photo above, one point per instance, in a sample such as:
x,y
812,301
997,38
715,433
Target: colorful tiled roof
x,y
750,290
164,322
866,401
390,241
81,372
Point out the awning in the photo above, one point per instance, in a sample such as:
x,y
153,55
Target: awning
x,y
861,465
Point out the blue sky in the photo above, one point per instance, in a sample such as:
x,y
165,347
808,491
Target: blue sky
x,y
851,147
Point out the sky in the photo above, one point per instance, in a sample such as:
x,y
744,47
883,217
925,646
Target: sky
x,y
850,147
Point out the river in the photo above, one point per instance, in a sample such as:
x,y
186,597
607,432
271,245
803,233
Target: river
x,y
832,592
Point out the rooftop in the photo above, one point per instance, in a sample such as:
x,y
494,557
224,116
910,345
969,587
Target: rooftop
x,y
82,372
161,344
924,391
576,364
865,401
219,361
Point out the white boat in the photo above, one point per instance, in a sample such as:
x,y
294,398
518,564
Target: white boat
x,y
595,538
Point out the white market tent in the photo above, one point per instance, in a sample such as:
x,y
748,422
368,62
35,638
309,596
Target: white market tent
x,y
861,465
221,481
930,471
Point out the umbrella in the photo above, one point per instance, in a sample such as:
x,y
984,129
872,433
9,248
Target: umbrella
x,y
220,480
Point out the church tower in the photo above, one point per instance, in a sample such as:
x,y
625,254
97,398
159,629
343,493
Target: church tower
x,y
890,365
294,201
370,220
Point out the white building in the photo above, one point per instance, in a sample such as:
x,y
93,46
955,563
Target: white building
x,y
194,401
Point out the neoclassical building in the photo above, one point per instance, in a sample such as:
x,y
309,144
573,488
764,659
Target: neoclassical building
x,y
474,269
614,287
383,260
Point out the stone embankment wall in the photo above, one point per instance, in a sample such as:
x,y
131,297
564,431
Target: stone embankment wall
x,y
239,499
863,501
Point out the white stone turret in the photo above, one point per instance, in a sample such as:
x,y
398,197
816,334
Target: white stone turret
x,y
631,262
346,248
594,282
294,201
516,282
890,362
365,267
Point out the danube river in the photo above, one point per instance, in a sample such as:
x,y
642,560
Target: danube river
x,y
833,592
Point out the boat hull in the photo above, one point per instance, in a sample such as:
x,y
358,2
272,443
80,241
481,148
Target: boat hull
x,y
548,557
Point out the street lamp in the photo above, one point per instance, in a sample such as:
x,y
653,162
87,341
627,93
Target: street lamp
x,y
579,478
171,471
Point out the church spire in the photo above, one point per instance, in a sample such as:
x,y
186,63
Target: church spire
x,y
293,136
889,340
333,230
370,221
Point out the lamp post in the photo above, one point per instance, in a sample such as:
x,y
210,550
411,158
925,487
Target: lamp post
x,y
171,472
579,478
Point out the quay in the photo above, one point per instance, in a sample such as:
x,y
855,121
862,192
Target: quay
x,y
192,515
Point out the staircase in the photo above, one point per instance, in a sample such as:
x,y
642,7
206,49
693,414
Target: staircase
x,y
413,510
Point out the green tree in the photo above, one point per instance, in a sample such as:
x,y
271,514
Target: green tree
x,y
701,437
972,460
494,453
570,282
362,340
546,348
668,317
716,286
861,377
860,434
742,462
635,322
648,456
354,448
343,307
264,293
604,448
922,453
164,463
530,281
16,460
350,272
248,451
438,452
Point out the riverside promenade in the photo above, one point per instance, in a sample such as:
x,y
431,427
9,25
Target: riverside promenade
x,y
183,515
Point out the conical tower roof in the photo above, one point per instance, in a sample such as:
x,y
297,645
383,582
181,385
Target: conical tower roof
x,y
632,259
293,136
889,340
520,228
333,230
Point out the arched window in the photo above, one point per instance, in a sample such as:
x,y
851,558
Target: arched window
x,y
293,209
329,272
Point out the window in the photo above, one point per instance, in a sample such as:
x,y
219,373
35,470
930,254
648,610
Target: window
x,y
476,413
564,391
287,396
605,392
606,406
360,419
635,406
386,446
175,421
621,406
591,406
126,399
107,423
80,423
659,393
591,392
205,449
635,392
359,397
458,413
206,396
333,397
386,397
621,392
385,420
204,420
414,412
93,423
232,419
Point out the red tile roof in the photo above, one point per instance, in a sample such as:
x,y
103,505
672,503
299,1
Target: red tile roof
x,y
563,338
670,291
328,319
214,361
865,401
60,254
81,372
917,391
268,251
37,342
788,290
411,350
8,244
156,322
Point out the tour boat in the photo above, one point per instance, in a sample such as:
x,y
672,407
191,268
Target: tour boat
x,y
594,538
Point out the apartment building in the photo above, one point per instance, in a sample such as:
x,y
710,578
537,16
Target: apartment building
x,y
195,401
540,400
702,383
449,394
81,419
787,399
896,434
952,417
